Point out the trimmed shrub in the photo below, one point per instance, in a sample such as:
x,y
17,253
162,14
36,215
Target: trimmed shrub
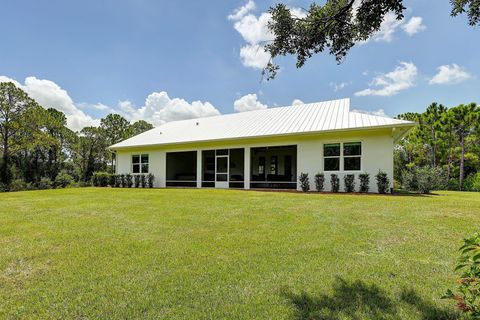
x,y
123,181
100,179
18,185
129,180
472,182
364,182
137,180
349,181
319,181
383,183
43,184
143,181
118,182
334,182
63,180
304,182
150,179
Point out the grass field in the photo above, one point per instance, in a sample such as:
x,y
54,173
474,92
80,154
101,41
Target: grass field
x,y
212,254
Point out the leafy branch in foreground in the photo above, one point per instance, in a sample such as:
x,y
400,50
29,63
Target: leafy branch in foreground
x,y
336,27
467,296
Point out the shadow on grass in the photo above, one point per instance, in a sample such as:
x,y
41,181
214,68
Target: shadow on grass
x,y
428,310
358,300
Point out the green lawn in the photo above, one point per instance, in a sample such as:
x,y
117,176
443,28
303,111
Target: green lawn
x,y
212,254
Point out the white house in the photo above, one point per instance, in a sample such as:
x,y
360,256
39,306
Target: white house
x,y
265,148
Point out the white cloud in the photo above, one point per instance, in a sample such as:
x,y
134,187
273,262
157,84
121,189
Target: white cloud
x,y
297,102
254,31
391,83
254,56
160,108
388,28
413,26
240,12
450,74
379,112
48,94
339,86
248,102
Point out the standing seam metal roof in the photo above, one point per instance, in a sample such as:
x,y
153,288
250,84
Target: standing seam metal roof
x,y
305,118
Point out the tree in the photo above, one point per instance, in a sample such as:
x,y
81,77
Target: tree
x,y
14,104
115,128
90,152
139,127
336,27
464,120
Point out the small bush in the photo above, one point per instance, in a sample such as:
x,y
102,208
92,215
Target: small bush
x,y
150,179
349,181
304,182
43,184
467,294
118,182
129,180
101,179
18,185
63,180
123,181
472,182
334,182
319,181
112,181
453,185
423,179
137,180
364,182
383,183
143,181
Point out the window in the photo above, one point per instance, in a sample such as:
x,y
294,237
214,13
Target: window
x,y
140,163
273,165
352,153
331,157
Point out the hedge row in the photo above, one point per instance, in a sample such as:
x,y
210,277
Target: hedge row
x,y
105,179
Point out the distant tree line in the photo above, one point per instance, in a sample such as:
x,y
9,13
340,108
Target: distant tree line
x,y
447,142
37,149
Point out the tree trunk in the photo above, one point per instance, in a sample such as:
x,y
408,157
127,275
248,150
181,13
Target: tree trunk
x,y
5,169
462,161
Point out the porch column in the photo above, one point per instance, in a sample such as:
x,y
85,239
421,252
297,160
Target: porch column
x,y
199,168
246,165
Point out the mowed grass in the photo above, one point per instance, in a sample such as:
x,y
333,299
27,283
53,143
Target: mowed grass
x,y
220,254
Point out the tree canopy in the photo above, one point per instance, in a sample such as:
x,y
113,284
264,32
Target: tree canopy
x,y
337,26
36,144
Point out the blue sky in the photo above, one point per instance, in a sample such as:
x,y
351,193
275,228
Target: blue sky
x,y
152,59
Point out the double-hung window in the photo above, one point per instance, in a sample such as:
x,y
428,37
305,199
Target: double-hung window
x,y
140,163
331,157
346,156
352,156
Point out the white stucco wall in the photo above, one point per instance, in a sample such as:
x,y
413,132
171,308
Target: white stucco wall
x,y
377,154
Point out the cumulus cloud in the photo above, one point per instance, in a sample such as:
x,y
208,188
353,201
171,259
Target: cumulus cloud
x,y
240,12
297,102
379,112
248,102
254,31
450,74
159,108
48,94
391,83
413,26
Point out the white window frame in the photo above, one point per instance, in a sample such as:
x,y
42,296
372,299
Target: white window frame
x,y
354,156
342,157
332,157
140,156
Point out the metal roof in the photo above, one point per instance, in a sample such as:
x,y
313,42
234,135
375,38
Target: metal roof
x,y
291,120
